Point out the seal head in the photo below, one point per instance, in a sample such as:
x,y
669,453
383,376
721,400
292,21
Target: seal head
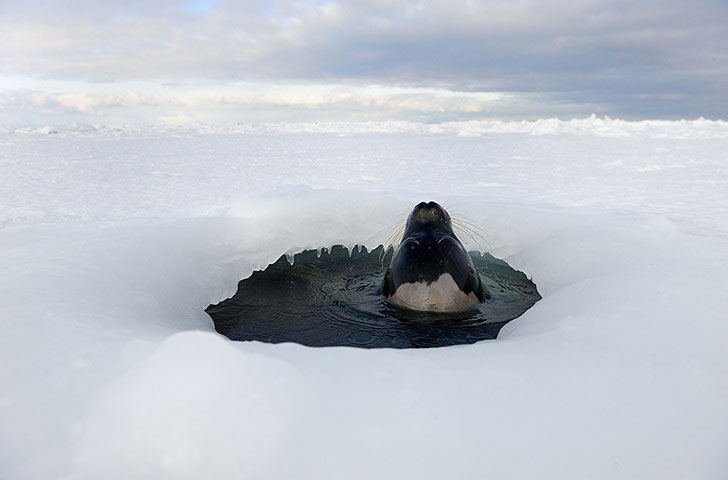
x,y
430,269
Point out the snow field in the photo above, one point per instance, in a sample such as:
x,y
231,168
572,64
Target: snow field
x,y
112,369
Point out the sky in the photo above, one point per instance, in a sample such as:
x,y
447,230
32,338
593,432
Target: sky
x,y
220,61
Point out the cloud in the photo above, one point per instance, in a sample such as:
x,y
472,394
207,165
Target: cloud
x,y
634,59
180,102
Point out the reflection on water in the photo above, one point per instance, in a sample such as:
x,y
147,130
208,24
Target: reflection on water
x,y
334,299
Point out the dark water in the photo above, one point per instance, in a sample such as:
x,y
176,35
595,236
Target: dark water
x,y
334,299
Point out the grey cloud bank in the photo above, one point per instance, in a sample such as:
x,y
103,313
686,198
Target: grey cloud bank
x,y
427,60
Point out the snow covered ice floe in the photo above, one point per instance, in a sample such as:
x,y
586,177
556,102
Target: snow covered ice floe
x,y
112,246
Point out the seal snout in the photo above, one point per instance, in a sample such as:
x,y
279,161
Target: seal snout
x,y
429,212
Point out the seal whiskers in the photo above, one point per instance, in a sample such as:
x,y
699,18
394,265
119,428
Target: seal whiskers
x,y
471,227
395,232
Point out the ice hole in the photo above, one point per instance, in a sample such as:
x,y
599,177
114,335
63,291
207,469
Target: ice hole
x,y
332,298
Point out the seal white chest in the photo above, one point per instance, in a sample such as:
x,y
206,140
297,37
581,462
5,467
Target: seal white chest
x,y
442,295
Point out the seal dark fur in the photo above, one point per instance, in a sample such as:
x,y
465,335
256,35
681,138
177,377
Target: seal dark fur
x,y
430,269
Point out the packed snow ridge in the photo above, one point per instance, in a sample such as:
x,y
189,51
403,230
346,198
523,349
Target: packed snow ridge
x,y
698,128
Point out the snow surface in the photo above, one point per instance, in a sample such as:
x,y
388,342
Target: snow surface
x,y
113,241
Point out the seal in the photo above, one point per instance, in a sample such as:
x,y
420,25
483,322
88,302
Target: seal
x,y
430,269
